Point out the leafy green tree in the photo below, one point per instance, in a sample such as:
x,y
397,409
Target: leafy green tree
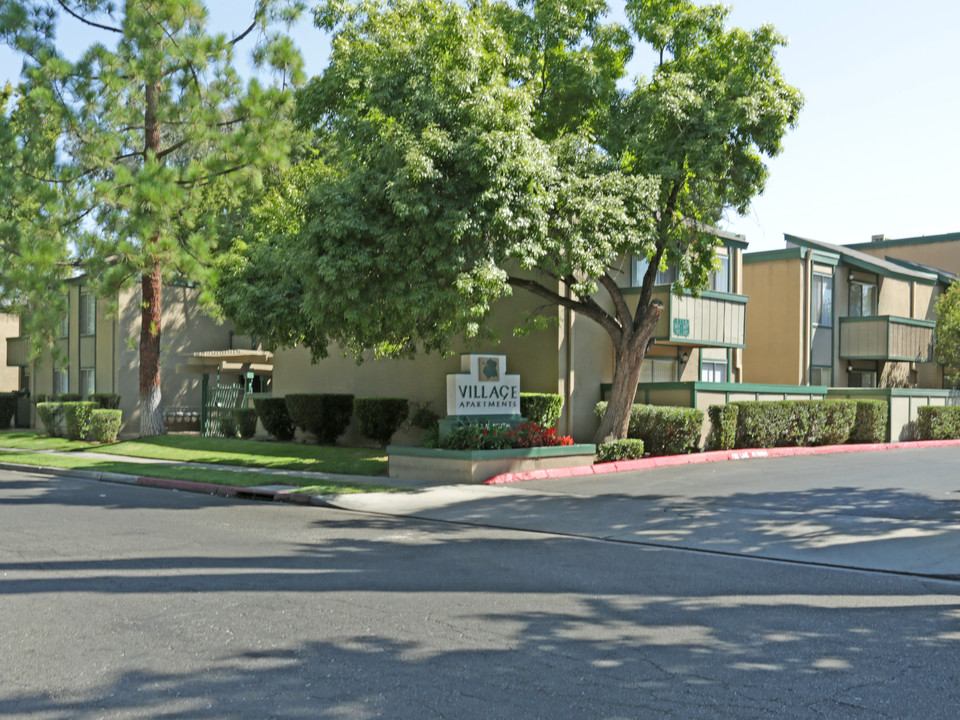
x,y
153,131
947,348
469,151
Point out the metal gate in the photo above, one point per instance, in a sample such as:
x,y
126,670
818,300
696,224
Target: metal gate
x,y
223,400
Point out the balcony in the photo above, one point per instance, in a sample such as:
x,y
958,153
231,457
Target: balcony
x,y
714,319
886,337
18,352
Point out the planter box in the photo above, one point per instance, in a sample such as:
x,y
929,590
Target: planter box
x,y
475,466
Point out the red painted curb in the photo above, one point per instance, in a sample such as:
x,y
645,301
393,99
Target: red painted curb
x,y
706,457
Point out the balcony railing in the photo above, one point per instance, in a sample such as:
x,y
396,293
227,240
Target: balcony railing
x,y
886,337
712,320
18,352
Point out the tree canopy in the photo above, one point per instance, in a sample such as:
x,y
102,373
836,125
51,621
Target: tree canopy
x,y
466,151
947,348
145,137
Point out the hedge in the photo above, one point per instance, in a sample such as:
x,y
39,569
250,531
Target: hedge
x,y
541,408
105,425
275,417
227,425
870,425
790,423
723,427
8,408
246,422
51,415
325,415
664,430
107,401
938,423
616,450
76,416
378,418
69,397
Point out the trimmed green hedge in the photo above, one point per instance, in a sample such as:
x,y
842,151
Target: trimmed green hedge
x,y
246,422
378,418
105,425
791,423
8,408
616,450
723,427
664,430
541,408
275,417
326,415
870,425
107,401
76,417
51,416
938,423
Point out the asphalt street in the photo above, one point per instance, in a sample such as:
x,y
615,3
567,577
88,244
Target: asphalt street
x,y
129,602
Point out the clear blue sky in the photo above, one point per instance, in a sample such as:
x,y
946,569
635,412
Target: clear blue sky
x,y
876,147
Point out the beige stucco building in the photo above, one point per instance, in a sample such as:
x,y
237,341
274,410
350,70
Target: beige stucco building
x,y
833,315
99,349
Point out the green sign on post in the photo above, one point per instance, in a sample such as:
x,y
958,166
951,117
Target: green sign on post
x,y
681,327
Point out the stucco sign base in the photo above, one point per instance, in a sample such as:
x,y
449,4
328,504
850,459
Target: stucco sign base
x,y
475,466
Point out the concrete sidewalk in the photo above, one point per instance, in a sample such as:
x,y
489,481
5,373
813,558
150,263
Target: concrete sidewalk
x,y
889,511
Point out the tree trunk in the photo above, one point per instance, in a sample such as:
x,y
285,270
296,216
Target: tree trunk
x,y
151,412
628,359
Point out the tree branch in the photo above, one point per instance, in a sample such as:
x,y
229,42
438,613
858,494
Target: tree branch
x,y
88,22
589,309
242,35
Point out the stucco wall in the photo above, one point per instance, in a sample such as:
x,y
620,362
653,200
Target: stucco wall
x,y
774,351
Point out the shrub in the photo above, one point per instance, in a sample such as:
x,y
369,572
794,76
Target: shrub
x,y
481,435
723,427
486,435
379,418
107,401
51,415
870,425
938,423
69,397
105,425
665,430
227,424
541,408
423,417
246,422
791,423
615,450
325,415
531,434
8,408
76,417
275,417
40,397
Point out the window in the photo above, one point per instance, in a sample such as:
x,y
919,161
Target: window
x,y
664,277
720,278
820,376
61,381
658,370
65,326
88,314
862,379
822,300
713,371
863,299
87,382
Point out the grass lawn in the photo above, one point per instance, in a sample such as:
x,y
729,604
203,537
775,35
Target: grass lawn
x,y
218,451
183,472
221,451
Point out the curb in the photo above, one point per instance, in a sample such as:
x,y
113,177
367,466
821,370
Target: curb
x,y
706,457
228,491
